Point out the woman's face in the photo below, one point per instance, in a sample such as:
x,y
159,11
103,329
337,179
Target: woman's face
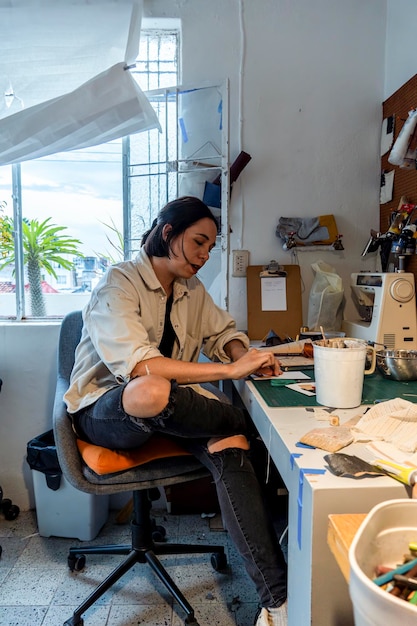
x,y
191,249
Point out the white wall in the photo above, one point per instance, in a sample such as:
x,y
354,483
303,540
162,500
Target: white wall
x,y
400,56
306,86
308,110
27,369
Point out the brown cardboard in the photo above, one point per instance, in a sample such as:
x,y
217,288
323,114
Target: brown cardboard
x,y
284,323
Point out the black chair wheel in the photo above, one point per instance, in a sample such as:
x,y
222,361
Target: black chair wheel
x,y
76,562
5,505
12,512
1,550
218,561
159,533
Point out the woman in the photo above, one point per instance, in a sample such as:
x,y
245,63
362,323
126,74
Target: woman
x,y
136,372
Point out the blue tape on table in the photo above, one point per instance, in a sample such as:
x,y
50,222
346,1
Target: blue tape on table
x,y
303,472
294,455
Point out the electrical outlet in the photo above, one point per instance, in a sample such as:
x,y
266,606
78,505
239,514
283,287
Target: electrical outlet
x,y
240,262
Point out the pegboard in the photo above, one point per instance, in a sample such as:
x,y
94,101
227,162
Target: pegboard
x,y
405,180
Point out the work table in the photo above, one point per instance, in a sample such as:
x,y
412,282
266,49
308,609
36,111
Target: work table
x,y
314,494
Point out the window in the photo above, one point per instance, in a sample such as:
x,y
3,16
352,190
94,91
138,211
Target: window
x,y
103,198
81,193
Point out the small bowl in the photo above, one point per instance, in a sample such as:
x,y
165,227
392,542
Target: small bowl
x,y
397,364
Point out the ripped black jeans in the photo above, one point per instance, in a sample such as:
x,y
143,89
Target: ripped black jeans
x,y
194,418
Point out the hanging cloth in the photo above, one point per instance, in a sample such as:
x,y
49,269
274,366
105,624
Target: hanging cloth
x,y
63,84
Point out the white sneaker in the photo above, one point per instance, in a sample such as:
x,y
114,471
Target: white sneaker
x,y
273,617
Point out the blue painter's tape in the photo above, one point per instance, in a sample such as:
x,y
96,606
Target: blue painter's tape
x,y
304,445
182,129
303,472
220,112
294,455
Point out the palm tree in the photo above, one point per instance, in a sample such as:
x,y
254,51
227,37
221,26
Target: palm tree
x,y
118,247
43,244
6,235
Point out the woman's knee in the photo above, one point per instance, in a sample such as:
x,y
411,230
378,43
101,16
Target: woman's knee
x,y
146,396
217,444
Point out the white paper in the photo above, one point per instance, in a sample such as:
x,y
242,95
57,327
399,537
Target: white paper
x,y
274,293
304,388
384,450
385,194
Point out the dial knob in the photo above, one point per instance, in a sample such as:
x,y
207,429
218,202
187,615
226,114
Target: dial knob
x,y
402,290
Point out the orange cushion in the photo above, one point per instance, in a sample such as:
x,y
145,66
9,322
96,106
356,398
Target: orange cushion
x,y
105,461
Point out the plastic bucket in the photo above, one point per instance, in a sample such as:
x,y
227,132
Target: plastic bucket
x,y
339,371
383,538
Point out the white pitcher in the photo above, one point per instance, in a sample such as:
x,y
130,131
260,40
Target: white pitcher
x,y
339,369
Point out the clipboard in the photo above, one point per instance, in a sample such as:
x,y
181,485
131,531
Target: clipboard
x,y
284,323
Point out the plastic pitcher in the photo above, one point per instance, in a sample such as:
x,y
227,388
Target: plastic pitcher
x,y
339,368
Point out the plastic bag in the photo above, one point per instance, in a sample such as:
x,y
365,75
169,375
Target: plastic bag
x,y
398,155
326,299
42,456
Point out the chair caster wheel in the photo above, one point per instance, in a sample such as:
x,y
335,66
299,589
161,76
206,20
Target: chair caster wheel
x,y
12,512
9,510
76,562
159,533
218,561
5,505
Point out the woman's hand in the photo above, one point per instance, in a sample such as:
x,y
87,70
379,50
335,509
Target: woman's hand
x,y
260,362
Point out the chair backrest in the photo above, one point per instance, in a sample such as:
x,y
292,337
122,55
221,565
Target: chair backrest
x,y
69,339
65,440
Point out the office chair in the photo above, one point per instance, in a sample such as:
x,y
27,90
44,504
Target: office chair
x,y
142,480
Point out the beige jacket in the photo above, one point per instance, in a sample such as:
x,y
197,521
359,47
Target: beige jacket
x,y
124,323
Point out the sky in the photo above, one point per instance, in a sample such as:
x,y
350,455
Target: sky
x,y
79,194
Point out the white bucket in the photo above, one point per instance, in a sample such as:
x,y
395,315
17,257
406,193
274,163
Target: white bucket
x,y
339,371
382,538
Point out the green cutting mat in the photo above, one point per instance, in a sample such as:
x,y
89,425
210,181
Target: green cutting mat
x,y
375,388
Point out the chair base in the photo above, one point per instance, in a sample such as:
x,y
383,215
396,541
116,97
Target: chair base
x,y
143,550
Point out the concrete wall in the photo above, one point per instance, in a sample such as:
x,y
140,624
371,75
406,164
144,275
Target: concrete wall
x,y
306,84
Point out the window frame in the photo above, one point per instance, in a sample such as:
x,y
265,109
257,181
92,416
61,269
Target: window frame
x,y
154,28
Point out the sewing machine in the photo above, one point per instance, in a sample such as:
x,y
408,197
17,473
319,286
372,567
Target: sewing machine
x,y
386,305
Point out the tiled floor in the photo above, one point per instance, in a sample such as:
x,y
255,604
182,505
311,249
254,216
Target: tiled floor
x,y
37,588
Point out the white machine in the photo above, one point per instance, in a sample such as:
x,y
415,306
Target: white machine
x,y
386,304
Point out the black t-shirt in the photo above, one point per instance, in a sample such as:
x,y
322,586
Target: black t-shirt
x,y
168,337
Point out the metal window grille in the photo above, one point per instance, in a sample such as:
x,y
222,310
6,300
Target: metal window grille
x,y
147,184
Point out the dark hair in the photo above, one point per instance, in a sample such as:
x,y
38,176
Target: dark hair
x,y
180,214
